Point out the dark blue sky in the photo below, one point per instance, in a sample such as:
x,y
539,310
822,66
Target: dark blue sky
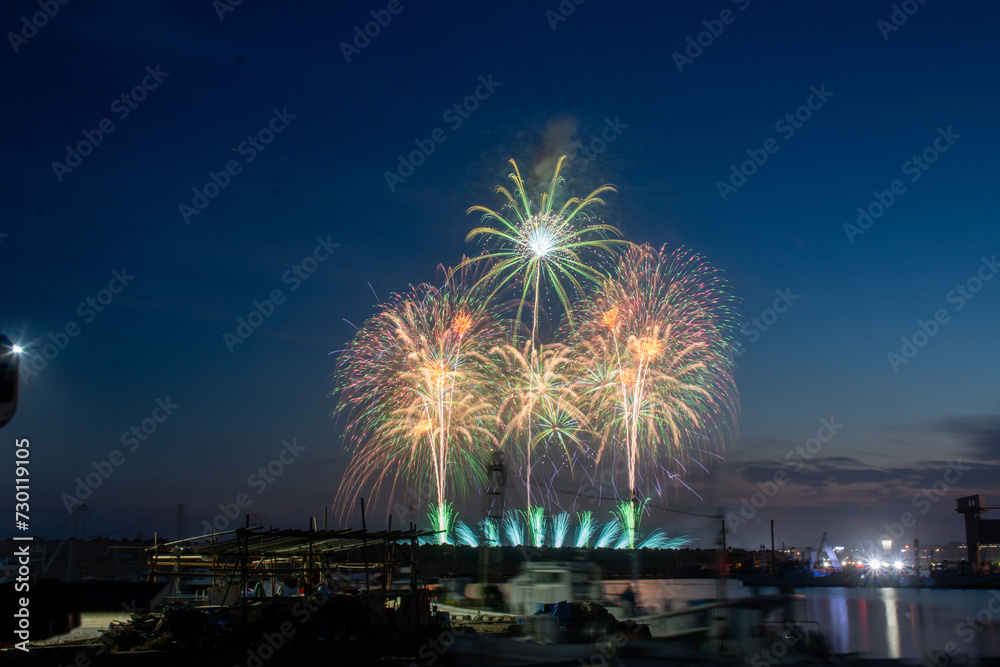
x,y
885,97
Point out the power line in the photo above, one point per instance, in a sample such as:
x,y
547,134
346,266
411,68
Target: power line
x,y
658,507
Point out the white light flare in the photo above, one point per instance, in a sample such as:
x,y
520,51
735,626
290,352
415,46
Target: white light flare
x,y
540,242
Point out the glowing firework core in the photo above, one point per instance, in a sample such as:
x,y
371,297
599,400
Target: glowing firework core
x,y
462,323
647,348
541,242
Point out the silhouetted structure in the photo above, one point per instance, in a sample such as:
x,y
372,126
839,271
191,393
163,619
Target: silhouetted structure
x,y
978,531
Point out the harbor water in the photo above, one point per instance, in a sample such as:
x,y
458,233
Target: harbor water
x,y
898,623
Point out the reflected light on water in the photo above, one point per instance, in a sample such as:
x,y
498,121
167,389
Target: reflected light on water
x,y
891,622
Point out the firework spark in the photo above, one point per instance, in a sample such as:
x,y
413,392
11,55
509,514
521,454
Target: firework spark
x,y
491,532
560,529
412,389
537,524
629,515
585,529
540,406
659,540
512,528
464,535
609,535
657,340
534,244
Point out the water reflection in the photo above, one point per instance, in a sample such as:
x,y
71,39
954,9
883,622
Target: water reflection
x,y
900,623
891,621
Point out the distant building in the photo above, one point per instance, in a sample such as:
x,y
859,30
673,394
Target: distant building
x,y
978,532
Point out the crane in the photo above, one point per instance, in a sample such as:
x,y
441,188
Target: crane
x,y
830,553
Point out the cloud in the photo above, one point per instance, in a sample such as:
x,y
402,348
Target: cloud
x,y
981,433
842,480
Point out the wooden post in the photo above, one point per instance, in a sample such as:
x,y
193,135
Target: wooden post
x,y
364,528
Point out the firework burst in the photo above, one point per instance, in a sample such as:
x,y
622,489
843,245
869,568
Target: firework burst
x,y
643,374
413,391
540,405
558,246
657,340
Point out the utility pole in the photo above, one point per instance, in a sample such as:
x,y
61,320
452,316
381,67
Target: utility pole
x,y
774,563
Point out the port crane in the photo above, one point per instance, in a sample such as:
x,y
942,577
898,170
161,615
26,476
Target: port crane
x,y
830,553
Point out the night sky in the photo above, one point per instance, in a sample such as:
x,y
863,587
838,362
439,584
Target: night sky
x,y
750,131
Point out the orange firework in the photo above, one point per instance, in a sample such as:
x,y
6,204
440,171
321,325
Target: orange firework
x,y
657,340
413,390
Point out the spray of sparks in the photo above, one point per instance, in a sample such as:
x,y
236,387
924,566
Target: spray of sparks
x,y
465,536
629,515
541,401
534,517
608,537
413,391
560,530
622,532
442,517
540,244
490,531
585,529
657,339
512,529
